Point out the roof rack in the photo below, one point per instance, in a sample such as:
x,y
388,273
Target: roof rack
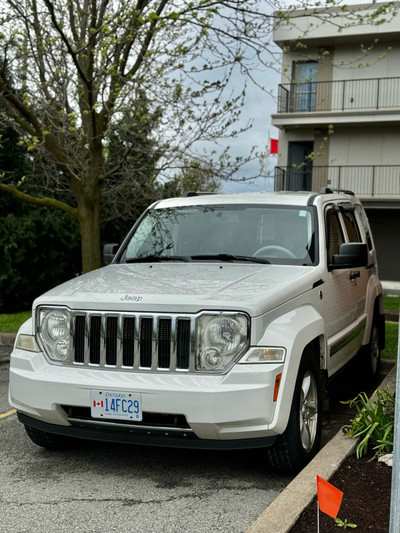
x,y
195,193
328,190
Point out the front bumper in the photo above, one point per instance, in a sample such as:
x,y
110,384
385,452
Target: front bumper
x,y
235,410
147,437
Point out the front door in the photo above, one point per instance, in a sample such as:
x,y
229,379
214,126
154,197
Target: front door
x,y
344,293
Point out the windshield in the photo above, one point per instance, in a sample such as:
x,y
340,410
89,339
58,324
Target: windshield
x,y
270,234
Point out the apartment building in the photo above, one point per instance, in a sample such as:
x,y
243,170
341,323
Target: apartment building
x,y
339,112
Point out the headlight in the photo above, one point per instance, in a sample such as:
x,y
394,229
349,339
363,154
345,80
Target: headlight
x,y
55,333
221,339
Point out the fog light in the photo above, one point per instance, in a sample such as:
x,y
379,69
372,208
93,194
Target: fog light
x,y
211,359
61,348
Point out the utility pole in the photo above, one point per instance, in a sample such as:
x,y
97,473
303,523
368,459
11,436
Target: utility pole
x,y
395,497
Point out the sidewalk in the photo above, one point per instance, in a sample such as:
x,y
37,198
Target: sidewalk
x,y
391,287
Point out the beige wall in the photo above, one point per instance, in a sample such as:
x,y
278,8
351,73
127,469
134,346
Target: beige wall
x,y
380,61
303,24
375,145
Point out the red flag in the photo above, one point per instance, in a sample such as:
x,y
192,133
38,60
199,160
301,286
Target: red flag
x,y
274,146
329,497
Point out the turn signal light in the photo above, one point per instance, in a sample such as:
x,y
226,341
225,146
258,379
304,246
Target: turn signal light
x,y
277,384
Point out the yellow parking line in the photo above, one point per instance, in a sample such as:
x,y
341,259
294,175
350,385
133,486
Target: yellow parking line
x,y
8,413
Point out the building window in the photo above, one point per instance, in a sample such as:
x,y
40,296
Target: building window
x,y
304,87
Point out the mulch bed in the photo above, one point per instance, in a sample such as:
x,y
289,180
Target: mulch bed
x,y
366,487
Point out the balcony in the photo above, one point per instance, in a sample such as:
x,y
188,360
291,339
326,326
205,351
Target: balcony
x,y
366,181
345,95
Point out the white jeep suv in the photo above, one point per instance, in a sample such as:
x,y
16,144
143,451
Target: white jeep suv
x,y
217,324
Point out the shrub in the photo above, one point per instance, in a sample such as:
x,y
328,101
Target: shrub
x,y
373,423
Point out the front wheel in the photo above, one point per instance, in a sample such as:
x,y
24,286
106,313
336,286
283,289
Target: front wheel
x,y
301,440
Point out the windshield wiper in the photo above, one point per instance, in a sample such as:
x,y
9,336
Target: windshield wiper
x,y
156,258
230,258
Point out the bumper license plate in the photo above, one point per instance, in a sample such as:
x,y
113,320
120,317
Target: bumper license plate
x,y
116,405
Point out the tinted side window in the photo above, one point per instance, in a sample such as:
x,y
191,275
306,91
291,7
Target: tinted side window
x,y
350,223
364,222
334,233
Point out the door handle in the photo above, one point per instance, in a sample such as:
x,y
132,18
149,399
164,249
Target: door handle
x,y
354,274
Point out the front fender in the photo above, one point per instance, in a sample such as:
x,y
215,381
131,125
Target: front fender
x,y
294,331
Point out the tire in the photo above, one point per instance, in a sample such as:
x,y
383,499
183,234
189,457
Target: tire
x,y
301,440
50,441
372,352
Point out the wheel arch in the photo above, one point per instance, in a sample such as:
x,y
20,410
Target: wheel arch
x,y
302,333
289,453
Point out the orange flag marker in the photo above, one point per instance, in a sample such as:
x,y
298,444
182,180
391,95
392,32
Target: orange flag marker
x,y
329,497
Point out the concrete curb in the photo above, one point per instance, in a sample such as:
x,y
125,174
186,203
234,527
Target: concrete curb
x,y
284,511
7,339
6,342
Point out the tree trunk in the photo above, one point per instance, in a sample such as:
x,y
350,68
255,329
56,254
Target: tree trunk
x,y
89,220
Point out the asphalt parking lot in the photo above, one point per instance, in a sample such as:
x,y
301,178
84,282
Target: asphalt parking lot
x,y
101,488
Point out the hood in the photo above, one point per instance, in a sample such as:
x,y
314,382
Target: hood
x,y
183,287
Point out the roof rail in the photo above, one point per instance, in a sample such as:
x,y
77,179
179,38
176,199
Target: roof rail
x,y
344,191
328,190
196,193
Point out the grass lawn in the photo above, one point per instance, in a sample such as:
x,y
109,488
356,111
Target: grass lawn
x,y
11,323
391,303
390,351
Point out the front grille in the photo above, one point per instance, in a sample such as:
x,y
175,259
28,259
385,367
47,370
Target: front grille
x,y
133,341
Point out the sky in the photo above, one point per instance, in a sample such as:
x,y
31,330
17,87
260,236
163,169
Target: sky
x,y
258,108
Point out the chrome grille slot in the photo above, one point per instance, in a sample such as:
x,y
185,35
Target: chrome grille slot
x,y
128,341
111,340
79,339
164,343
183,341
131,341
94,340
146,342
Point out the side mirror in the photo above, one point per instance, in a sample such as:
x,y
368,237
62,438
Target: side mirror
x,y
351,255
109,252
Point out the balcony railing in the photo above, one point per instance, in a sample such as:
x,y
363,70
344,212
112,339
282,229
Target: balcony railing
x,y
363,180
343,95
